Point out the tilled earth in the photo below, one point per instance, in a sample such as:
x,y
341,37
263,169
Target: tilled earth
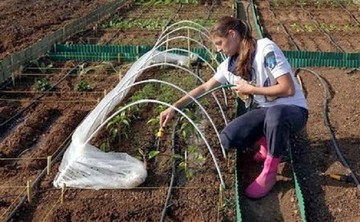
x,y
25,22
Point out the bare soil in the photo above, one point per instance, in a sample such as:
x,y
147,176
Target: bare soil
x,y
25,22
41,129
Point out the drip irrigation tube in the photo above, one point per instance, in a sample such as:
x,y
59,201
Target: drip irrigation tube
x,y
16,115
172,179
348,12
210,10
166,205
329,128
211,91
323,31
177,12
283,27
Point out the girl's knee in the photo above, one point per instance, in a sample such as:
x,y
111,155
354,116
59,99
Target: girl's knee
x,y
275,117
225,141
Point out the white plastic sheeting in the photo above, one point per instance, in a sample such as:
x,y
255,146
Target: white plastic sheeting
x,y
86,166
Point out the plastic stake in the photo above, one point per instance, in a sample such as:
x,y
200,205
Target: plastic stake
x,y
221,196
120,76
188,41
48,168
63,192
28,190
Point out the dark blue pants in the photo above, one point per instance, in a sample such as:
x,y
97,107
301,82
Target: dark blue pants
x,y
276,123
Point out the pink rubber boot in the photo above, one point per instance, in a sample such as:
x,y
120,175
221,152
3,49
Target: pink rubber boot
x,y
260,156
265,181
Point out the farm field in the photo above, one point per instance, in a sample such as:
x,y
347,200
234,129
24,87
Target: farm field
x,y
41,108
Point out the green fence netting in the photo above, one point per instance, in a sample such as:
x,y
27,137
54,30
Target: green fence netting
x,y
130,53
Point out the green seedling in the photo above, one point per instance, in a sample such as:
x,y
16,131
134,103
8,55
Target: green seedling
x,y
347,28
146,2
42,85
118,126
279,3
328,27
192,156
159,109
154,122
41,65
186,128
320,3
184,166
103,68
146,157
83,86
105,145
296,27
148,92
275,3
148,23
302,3
309,28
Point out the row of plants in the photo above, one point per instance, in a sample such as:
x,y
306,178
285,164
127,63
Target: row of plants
x,y
120,128
328,27
146,23
144,2
140,23
81,85
316,3
43,84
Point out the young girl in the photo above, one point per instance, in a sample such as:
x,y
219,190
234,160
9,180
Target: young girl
x,y
264,80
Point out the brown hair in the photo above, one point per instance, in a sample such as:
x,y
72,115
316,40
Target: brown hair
x,y
247,42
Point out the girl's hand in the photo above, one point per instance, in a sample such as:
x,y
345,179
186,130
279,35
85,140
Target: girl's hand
x,y
166,115
243,87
